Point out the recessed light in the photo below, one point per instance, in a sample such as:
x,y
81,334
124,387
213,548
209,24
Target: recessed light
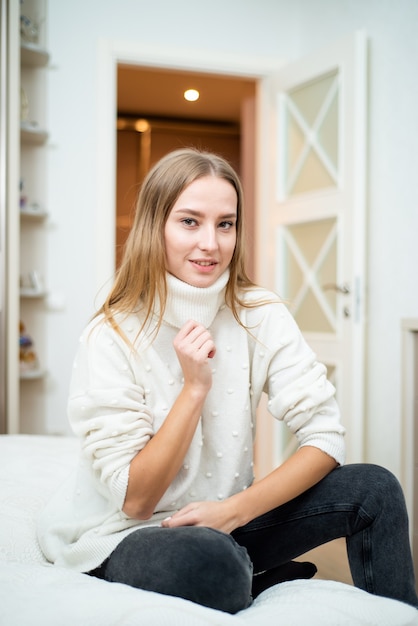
x,y
142,126
191,95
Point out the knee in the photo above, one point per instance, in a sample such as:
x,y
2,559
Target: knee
x,y
382,484
225,572
381,478
198,564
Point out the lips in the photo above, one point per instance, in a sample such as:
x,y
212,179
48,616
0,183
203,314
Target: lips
x,y
204,263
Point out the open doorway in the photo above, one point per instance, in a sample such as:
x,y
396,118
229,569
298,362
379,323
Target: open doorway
x,y
254,156
155,118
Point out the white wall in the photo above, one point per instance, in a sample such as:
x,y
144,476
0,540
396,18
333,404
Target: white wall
x,y
262,28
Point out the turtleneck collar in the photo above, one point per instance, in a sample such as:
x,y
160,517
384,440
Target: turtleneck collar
x,y
185,302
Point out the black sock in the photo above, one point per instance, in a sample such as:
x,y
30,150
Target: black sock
x,y
287,571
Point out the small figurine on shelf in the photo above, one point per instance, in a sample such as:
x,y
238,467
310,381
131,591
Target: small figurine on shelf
x,y
24,106
29,30
28,359
23,199
27,207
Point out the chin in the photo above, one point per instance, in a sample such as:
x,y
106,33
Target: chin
x,y
195,279
201,281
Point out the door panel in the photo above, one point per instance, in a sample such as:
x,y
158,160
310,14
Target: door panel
x,y
307,266
310,122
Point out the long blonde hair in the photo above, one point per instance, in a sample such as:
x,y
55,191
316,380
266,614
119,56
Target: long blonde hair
x,y
142,274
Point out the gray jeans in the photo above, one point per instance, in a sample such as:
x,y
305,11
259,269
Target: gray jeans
x,y
363,503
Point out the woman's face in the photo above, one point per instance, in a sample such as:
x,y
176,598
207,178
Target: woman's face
x,y
200,232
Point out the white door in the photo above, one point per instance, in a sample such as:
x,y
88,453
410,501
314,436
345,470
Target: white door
x,y
311,230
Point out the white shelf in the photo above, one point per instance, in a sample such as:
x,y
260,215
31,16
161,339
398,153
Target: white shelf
x,y
33,213
32,55
35,374
30,133
30,292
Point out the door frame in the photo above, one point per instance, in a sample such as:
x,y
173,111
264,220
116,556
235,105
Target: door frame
x,y
110,54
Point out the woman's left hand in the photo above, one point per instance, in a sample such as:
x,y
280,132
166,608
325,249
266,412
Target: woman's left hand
x,y
303,469
210,514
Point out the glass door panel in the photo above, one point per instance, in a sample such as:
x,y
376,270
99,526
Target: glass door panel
x,y
309,258
310,125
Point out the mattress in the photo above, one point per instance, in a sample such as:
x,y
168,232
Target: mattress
x,y
33,592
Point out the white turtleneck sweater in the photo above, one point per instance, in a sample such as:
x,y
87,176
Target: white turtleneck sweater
x,y
120,396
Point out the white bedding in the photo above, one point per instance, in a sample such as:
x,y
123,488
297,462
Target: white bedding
x,y
34,593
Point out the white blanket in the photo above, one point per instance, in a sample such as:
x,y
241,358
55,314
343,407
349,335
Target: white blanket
x,y
34,593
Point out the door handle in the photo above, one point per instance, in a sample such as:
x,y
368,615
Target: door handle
x,y
344,289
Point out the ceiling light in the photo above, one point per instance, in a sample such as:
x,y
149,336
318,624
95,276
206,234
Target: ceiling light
x,y
191,95
142,126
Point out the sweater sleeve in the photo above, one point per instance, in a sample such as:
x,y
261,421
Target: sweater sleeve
x,y
107,409
296,383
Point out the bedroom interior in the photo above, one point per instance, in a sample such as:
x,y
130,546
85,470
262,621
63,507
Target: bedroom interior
x,y
45,297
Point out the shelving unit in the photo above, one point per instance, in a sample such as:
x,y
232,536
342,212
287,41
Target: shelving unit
x,y
33,218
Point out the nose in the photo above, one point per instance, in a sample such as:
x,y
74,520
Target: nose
x,y
208,239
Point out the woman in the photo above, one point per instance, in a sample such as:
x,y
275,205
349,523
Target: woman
x,y
164,393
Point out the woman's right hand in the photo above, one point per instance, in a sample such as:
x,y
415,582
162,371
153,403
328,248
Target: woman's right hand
x,y
194,347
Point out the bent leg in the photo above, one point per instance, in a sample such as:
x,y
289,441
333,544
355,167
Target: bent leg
x,y
199,564
378,545
363,503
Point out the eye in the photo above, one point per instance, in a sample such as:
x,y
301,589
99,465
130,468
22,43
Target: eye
x,y
226,225
189,221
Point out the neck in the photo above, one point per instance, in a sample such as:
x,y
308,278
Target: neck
x,y
185,302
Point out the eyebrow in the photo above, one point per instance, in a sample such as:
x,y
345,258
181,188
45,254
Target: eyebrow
x,y
195,213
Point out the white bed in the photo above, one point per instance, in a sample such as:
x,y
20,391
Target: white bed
x,y
34,593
